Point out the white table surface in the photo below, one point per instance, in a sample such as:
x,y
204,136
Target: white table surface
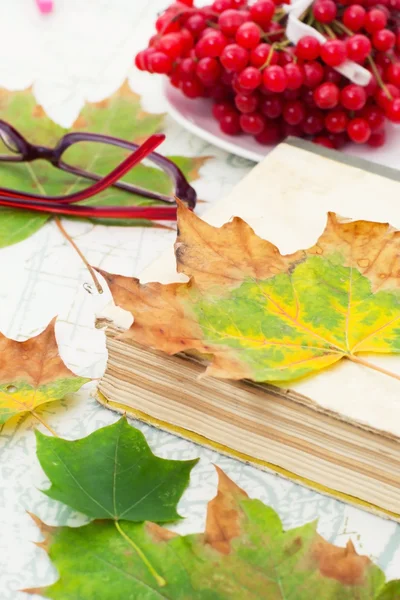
x,y
84,51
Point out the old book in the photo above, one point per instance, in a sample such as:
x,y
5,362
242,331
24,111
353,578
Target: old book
x,y
337,431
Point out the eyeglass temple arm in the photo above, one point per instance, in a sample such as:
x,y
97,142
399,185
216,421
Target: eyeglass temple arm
x,y
137,156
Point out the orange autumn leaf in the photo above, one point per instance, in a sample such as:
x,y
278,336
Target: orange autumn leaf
x,y
32,373
265,316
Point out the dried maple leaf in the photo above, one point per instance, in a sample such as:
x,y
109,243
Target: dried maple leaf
x,y
258,559
32,373
269,317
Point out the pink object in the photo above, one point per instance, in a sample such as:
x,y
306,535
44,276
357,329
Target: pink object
x,y
45,6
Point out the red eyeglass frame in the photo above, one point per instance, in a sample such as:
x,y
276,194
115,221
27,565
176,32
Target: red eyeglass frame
x,y
66,205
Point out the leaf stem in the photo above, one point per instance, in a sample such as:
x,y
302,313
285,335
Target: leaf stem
x,y
44,423
80,254
365,363
160,580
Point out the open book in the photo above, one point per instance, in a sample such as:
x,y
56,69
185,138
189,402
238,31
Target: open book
x,y
338,430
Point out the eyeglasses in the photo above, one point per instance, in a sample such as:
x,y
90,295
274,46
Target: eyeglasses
x,y
24,151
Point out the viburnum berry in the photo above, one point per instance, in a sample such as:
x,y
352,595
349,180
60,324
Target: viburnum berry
x,y
358,130
262,12
393,74
383,60
166,23
192,87
246,103
219,6
384,97
160,63
294,112
274,78
272,107
324,11
374,116
220,109
187,41
313,122
171,44
141,59
383,40
261,53
195,24
294,75
230,123
331,75
252,123
271,134
230,20
334,52
358,47
274,31
375,20
336,121
211,45
234,58
250,78
326,95
393,110
324,141
308,97
353,97
308,48
208,70
187,66
248,35
377,139
313,74
354,17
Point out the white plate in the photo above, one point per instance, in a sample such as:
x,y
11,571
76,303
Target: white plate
x,y
196,117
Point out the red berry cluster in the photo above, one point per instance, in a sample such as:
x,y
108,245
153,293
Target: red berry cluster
x,y
236,53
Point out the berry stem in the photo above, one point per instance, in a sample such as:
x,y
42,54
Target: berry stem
x,y
269,57
342,27
378,77
329,31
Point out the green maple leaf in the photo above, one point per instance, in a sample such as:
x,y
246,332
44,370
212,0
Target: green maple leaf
x,y
265,316
119,116
113,474
244,554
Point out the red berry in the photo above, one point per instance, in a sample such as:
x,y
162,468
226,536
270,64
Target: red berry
x,y
332,75
353,97
220,5
336,121
192,87
291,130
314,122
234,58
230,123
358,47
187,41
262,12
230,20
274,78
272,107
294,112
271,134
393,74
220,109
383,40
313,74
383,60
250,78
372,86
246,103
377,139
354,17
208,70
324,11
358,130
326,95
248,35
141,60
274,31
294,74
160,63
308,48
171,44
166,23
211,45
308,98
323,141
393,110
375,20
333,52
338,139
252,123
187,66
261,53
374,116
384,97
196,23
